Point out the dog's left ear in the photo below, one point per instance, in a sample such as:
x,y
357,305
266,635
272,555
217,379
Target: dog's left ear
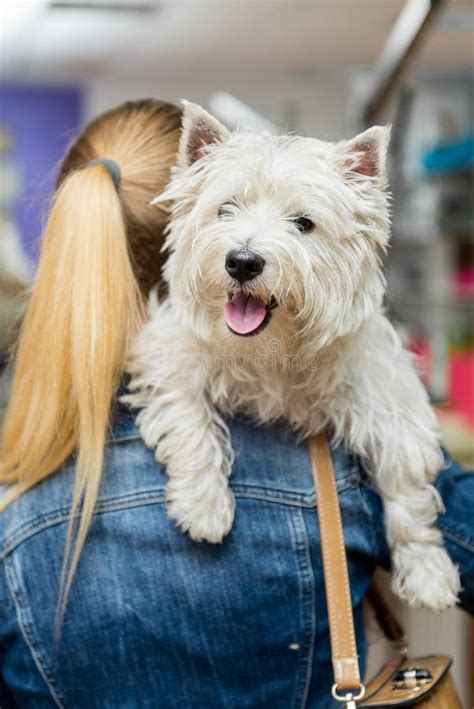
x,y
366,154
199,131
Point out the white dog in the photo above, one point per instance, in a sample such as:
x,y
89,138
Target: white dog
x,y
275,310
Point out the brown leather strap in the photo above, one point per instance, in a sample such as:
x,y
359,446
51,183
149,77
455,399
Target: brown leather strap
x,y
336,579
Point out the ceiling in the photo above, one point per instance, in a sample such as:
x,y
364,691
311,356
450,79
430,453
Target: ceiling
x,y
173,39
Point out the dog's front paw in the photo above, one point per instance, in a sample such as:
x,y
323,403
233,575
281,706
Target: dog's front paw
x,y
424,576
206,514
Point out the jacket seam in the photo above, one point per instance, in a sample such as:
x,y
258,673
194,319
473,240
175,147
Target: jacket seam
x,y
446,530
308,575
23,533
125,438
22,620
61,515
370,514
456,539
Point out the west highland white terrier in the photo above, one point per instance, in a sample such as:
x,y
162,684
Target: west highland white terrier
x,y
275,311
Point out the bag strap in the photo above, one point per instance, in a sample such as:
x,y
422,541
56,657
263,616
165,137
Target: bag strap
x,y
387,621
347,686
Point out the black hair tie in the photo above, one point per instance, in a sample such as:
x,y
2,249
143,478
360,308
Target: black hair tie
x,y
112,168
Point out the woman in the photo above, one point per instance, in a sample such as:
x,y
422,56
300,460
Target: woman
x,y
144,616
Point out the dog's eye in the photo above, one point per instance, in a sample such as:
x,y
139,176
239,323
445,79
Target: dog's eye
x,y
303,224
226,209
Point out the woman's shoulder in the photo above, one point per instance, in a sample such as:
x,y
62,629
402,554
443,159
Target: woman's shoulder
x,y
270,464
145,593
129,470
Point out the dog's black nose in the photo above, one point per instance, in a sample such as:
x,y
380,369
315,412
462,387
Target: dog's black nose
x,y
243,265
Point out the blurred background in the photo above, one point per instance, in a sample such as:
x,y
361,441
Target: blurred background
x,y
325,68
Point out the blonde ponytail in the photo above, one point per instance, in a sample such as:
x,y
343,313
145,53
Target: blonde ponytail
x,y
84,306
101,254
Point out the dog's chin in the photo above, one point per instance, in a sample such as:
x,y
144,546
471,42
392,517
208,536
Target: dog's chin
x,y
247,315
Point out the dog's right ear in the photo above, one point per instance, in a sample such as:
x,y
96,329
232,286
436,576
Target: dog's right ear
x,y
366,154
199,131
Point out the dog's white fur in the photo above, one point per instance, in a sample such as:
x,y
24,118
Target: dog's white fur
x,y
328,359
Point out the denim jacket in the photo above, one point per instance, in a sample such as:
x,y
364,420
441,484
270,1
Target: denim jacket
x,y
157,620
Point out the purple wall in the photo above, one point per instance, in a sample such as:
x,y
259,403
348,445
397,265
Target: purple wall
x,y
42,121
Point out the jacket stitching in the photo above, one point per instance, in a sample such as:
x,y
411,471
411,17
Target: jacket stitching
x,y
308,576
457,539
62,514
21,613
126,438
447,531
278,496
370,514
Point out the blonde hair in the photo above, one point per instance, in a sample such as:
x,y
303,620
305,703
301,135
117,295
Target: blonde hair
x,y
101,253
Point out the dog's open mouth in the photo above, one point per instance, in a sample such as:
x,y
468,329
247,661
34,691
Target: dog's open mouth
x,y
246,314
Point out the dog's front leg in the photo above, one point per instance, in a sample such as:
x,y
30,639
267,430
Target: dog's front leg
x,y
392,426
404,457
193,442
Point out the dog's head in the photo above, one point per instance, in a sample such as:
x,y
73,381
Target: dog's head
x,y
273,234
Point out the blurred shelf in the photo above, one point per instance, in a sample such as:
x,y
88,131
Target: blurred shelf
x,y
463,227
426,237
461,303
458,436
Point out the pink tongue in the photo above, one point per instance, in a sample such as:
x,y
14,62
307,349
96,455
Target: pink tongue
x,y
244,314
